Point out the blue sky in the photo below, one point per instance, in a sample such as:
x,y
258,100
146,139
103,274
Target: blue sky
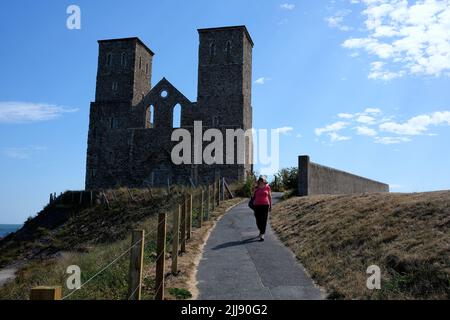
x,y
362,86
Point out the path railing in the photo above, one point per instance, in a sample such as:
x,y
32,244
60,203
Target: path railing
x,y
193,210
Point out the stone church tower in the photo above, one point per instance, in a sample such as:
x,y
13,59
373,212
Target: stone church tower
x,y
131,123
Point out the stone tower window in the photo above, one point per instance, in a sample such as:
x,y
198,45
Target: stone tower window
x,y
149,117
115,86
176,116
212,51
215,121
113,123
140,63
109,59
123,60
164,94
146,68
228,51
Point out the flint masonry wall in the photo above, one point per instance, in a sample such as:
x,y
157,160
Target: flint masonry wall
x,y
131,122
317,179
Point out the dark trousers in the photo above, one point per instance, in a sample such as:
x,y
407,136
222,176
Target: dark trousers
x,y
261,214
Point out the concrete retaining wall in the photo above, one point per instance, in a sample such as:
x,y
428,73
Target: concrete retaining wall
x,y
317,179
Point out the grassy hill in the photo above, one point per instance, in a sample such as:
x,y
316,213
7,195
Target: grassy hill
x,y
90,237
337,237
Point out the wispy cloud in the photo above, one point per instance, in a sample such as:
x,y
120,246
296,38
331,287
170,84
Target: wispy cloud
x,y
25,112
284,130
262,80
332,131
391,140
403,37
22,153
417,125
337,20
288,6
366,131
372,123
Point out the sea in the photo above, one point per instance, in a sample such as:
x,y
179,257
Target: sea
x,y
6,229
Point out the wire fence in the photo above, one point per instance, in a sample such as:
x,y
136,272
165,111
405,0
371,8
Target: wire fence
x,y
194,208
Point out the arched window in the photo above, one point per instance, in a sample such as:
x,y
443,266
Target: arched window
x,y
228,51
140,63
212,51
149,117
109,59
176,116
123,60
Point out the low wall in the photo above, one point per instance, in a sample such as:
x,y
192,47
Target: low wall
x,y
314,178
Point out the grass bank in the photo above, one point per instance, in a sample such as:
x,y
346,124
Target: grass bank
x,y
337,237
92,237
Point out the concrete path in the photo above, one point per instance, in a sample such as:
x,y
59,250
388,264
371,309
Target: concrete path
x,y
236,266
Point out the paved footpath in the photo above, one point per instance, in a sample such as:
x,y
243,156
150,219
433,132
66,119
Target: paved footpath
x,y
236,266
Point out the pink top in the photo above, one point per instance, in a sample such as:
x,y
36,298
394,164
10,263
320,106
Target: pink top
x,y
262,196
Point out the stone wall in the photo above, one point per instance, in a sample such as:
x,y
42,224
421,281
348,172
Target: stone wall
x,y
317,179
126,148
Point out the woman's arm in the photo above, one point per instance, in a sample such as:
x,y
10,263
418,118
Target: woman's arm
x,y
270,200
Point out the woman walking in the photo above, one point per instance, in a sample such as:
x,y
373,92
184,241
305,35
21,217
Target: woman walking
x,y
262,204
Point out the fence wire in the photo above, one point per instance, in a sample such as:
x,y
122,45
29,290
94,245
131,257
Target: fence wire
x,y
211,195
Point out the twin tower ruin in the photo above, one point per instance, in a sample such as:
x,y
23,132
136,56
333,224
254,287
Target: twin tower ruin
x,y
131,122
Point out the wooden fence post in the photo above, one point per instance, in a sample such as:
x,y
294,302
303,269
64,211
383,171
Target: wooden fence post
x,y
183,225
161,256
223,188
208,196
214,195
189,217
136,265
45,293
201,208
218,191
176,239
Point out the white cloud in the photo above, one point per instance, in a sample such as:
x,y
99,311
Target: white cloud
x,y
337,20
365,119
22,153
262,80
345,115
337,126
332,131
365,131
288,6
334,136
372,110
372,123
391,140
405,37
24,112
417,125
284,130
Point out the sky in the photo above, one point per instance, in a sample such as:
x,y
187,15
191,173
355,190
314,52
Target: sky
x,y
362,86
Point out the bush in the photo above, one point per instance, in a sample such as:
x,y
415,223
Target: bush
x,y
245,188
285,179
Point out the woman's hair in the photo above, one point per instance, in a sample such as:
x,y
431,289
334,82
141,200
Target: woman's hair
x,y
262,179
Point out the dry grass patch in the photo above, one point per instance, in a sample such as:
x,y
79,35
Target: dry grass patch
x,y
338,237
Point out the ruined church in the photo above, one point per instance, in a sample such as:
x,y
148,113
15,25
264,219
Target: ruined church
x,y
131,122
